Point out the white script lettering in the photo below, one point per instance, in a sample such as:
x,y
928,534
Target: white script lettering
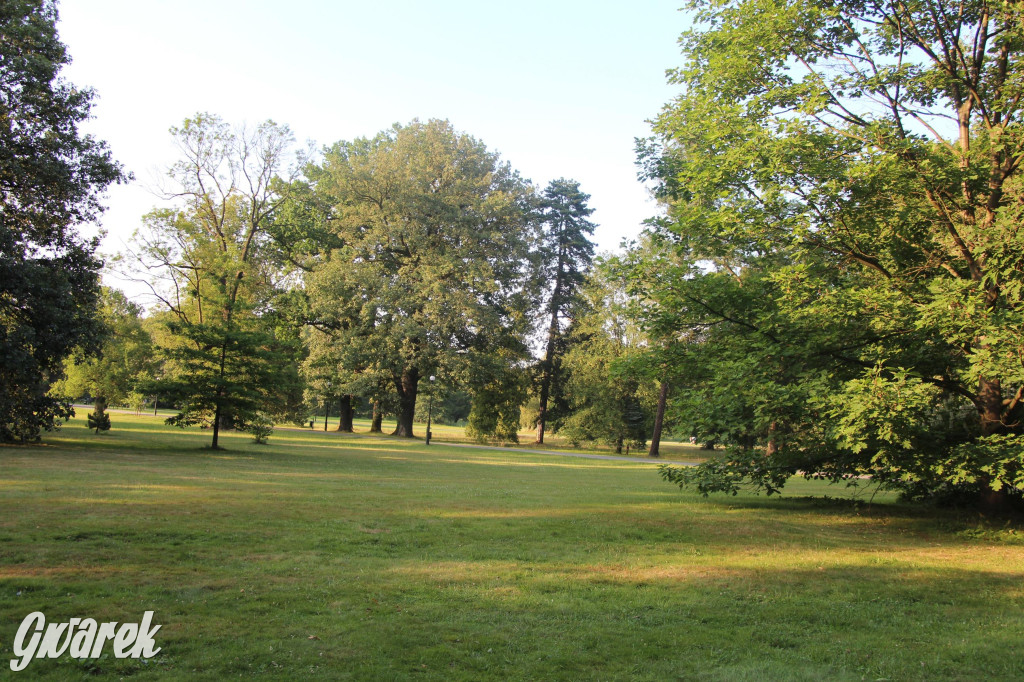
x,y
82,638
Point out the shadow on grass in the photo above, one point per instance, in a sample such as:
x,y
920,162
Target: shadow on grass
x,y
385,560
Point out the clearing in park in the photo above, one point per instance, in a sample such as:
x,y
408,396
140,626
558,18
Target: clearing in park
x,y
337,557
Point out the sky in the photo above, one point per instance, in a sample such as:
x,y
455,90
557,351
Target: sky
x,y
559,88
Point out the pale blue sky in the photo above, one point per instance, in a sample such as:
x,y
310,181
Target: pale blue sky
x,y
559,88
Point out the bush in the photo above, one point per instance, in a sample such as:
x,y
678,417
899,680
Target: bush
x,y
260,428
99,421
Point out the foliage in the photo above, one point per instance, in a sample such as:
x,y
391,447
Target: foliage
x,y
729,475
611,399
125,361
429,274
843,201
327,375
565,254
500,389
210,262
51,179
260,427
220,370
98,420
451,405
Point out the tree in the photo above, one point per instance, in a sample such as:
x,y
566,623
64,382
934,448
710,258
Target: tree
x,y
329,380
849,174
430,275
610,396
500,390
51,179
210,262
125,361
99,419
565,255
222,369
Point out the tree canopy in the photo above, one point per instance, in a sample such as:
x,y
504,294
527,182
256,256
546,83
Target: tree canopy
x,y
51,180
610,398
126,359
210,261
842,182
565,254
429,275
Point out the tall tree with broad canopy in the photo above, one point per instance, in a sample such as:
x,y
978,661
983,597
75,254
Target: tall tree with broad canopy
x,y
429,279
51,179
846,176
566,254
211,262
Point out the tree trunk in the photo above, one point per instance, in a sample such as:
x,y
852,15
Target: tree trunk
x,y
545,390
406,386
990,406
773,446
345,421
219,397
548,364
659,420
378,418
541,412
216,427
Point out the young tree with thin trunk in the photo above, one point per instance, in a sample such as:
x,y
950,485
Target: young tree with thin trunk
x,y
208,261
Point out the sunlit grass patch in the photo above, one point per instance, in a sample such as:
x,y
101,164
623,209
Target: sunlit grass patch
x,y
368,557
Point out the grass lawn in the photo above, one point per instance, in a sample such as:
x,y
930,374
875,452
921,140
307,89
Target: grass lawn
x,y
552,441
338,557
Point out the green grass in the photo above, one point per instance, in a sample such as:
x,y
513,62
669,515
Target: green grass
x,y
444,433
338,557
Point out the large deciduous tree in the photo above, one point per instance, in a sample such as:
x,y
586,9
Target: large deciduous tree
x,y
610,397
211,262
51,179
849,174
429,277
125,363
565,254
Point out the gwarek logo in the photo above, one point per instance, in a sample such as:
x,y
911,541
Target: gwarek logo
x,y
81,638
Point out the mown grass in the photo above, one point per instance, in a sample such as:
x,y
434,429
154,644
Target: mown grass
x,y
338,557
447,433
